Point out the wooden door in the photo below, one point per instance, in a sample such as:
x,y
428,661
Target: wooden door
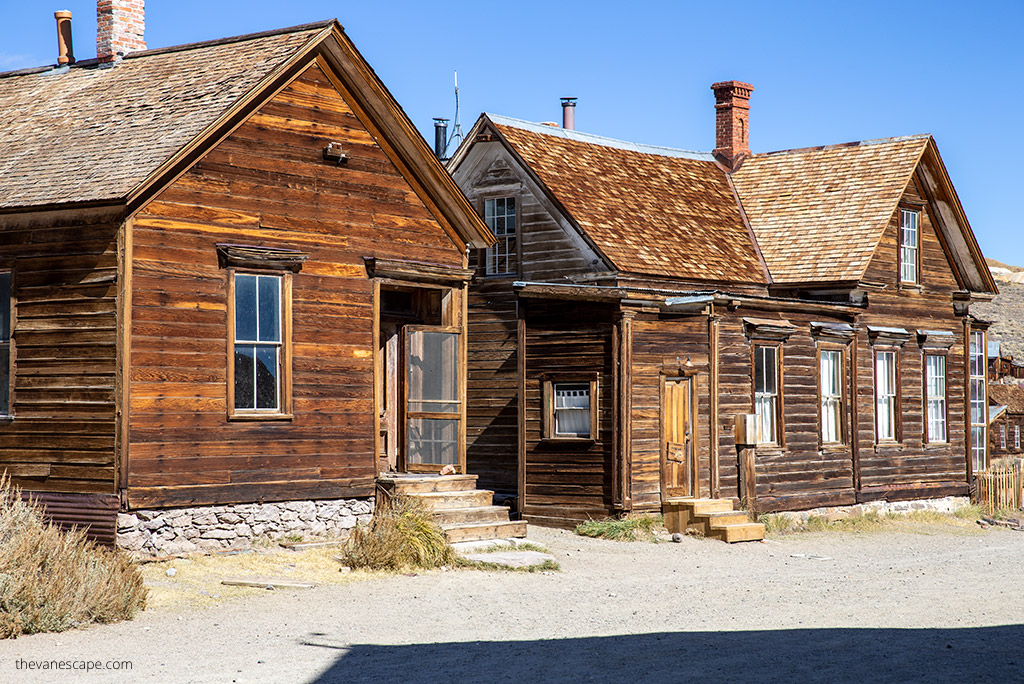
x,y
678,466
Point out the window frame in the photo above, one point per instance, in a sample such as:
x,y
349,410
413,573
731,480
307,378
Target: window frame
x,y
284,411
1016,436
9,342
549,385
843,395
1002,435
925,393
982,401
779,441
896,418
900,246
485,254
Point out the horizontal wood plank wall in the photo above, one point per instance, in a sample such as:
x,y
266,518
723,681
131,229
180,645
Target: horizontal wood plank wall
x,y
669,345
61,438
798,474
567,482
1009,422
267,184
546,253
913,469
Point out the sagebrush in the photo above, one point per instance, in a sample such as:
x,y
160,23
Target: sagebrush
x,y
401,535
52,580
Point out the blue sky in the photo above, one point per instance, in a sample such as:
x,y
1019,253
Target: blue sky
x,y
823,72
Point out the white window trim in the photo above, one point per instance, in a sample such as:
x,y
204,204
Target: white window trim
x,y
767,402
909,245
886,403
936,428
978,435
831,402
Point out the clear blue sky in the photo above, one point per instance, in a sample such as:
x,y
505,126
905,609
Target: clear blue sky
x,y
823,72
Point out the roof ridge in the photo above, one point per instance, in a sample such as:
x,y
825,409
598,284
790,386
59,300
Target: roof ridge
x,y
593,139
855,143
232,39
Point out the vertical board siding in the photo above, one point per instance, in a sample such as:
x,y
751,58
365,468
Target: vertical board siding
x,y
267,184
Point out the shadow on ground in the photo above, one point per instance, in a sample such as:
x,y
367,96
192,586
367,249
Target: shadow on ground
x,y
800,655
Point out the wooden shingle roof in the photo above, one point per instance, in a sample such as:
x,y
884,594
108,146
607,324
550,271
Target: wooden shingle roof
x,y
648,210
1010,395
819,213
92,133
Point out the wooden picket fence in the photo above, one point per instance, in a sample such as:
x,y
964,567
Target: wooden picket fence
x,y
1000,487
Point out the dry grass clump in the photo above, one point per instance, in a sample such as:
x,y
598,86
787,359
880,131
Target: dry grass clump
x,y
871,521
52,580
402,535
632,528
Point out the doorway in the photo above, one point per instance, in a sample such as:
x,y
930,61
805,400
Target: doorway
x,y
678,465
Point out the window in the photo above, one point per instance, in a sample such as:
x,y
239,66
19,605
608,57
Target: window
x,y
5,343
260,322
909,244
1016,436
766,393
570,409
885,396
935,396
831,396
977,353
1002,436
500,216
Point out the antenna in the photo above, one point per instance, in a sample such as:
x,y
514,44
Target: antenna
x,y
457,126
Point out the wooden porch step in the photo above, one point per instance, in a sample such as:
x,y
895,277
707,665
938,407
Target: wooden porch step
x,y
476,514
479,532
423,484
737,532
726,518
440,501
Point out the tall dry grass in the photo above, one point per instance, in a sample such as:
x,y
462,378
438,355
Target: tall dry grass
x,y
401,535
51,580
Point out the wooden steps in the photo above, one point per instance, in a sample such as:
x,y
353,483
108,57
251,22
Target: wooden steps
x,y
713,518
464,512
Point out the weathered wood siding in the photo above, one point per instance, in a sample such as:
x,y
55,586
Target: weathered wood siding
x,y
568,481
1001,442
61,438
267,184
665,345
546,253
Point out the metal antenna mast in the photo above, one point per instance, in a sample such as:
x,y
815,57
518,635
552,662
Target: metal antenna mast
x,y
457,126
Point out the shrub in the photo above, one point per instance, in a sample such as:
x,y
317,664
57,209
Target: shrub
x,y
622,529
51,580
401,535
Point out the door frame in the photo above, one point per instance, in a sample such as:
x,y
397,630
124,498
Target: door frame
x,y
691,379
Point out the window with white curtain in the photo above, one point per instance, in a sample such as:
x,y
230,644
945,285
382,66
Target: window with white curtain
x,y
766,393
935,390
831,396
572,409
885,396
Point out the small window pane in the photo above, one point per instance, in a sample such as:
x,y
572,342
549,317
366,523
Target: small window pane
x,y
269,309
245,308
266,377
245,377
572,409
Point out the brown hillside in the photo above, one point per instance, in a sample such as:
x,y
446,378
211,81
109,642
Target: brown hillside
x,y
1006,312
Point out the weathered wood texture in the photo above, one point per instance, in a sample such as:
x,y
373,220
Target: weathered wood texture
x,y
545,252
1006,436
61,438
568,480
267,184
671,345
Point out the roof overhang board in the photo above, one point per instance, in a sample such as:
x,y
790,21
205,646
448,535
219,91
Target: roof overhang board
x,y
473,154
956,234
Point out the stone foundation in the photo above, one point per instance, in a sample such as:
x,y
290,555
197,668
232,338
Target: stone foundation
x,y
168,532
947,504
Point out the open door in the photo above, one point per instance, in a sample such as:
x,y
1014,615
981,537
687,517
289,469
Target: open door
x,y
433,406
678,465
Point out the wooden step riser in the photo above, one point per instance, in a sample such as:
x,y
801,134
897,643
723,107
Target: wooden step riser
x,y
443,501
453,516
704,524
738,533
452,483
483,532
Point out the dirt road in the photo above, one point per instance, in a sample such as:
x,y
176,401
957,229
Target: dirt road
x,y
933,602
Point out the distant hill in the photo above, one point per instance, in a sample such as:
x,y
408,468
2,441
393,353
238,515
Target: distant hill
x,y
1006,311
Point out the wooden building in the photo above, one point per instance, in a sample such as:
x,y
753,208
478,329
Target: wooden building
x,y
234,273
1006,422
641,301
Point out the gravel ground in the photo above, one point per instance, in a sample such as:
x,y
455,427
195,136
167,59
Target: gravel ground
x,y
928,601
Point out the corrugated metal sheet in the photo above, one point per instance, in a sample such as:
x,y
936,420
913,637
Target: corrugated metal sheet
x,y
95,513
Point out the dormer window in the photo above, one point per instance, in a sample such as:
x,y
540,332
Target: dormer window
x,y
910,246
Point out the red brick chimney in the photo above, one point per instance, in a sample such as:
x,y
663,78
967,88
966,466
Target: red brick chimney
x,y
120,25
732,120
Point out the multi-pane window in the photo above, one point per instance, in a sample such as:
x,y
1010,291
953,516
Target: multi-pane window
x,y
831,396
910,235
5,343
935,391
258,346
572,409
885,396
766,394
1002,436
500,216
977,354
1016,436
